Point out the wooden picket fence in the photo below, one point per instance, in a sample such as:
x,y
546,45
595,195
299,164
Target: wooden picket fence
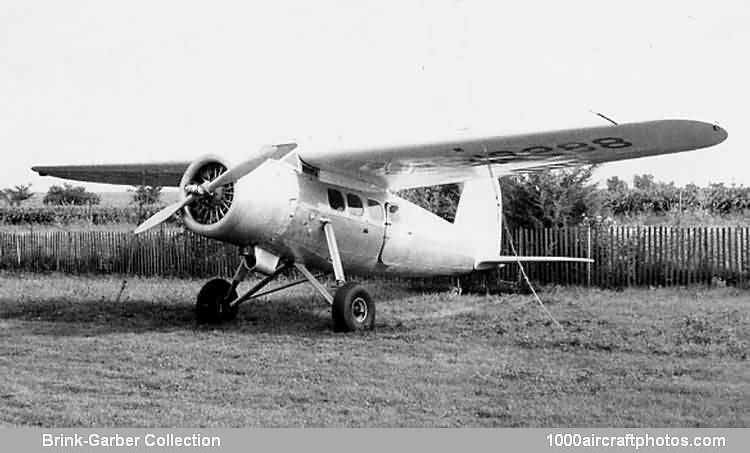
x,y
624,256
637,256
167,253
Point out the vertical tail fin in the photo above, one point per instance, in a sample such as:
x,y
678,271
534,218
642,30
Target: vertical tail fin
x,y
479,215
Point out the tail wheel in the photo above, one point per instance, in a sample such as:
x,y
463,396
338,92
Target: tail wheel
x,y
353,309
212,306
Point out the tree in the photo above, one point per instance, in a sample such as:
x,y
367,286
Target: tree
x,y
643,182
146,195
646,196
550,198
17,195
615,184
70,195
440,200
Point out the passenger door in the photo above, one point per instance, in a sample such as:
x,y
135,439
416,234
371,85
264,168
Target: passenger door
x,y
395,236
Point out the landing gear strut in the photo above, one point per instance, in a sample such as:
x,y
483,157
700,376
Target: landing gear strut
x,y
352,308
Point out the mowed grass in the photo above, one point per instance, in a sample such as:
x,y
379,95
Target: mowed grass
x,y
72,355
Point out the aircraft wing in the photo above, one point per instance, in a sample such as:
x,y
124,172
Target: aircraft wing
x,y
165,174
441,162
490,262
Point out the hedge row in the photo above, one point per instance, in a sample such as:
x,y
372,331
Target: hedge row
x,y
660,198
64,215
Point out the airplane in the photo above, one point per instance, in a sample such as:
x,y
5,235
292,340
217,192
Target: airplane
x,y
336,209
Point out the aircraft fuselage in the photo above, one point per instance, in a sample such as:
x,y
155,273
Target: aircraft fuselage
x,y
282,209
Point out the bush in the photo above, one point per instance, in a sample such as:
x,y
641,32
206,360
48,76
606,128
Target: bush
x,y
650,197
720,199
67,194
146,195
16,195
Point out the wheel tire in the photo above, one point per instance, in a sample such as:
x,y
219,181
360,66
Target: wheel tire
x,y
353,309
211,306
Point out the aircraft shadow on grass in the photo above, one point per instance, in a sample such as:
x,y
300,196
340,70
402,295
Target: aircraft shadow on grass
x,y
104,316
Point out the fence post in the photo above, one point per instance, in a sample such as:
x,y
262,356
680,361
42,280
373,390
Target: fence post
x,y
588,255
741,256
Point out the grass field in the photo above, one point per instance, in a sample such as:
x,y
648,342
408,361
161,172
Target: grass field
x,y
72,355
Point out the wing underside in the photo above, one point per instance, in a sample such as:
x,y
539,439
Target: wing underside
x,y
441,162
165,174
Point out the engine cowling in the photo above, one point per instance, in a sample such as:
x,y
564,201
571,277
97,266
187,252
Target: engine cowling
x,y
210,201
255,209
209,212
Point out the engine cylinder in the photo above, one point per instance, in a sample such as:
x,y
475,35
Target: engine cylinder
x,y
209,213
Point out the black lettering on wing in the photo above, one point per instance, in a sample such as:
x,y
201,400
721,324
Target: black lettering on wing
x,y
576,146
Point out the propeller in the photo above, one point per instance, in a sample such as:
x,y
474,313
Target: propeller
x,y
238,171
232,175
164,214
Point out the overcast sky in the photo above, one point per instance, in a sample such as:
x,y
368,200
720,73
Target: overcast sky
x,y
129,81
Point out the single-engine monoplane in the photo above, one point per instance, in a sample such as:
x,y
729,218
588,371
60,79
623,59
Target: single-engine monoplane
x,y
336,210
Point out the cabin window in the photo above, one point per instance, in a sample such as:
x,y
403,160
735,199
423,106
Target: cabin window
x,y
336,200
374,210
355,204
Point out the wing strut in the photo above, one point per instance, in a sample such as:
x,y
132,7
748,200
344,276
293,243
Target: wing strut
x,y
333,251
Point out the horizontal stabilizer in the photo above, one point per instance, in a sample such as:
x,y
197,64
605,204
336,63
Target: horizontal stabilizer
x,y
490,262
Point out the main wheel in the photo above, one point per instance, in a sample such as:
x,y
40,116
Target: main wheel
x,y
212,306
353,309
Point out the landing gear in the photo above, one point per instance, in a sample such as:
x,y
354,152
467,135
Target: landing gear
x,y
353,309
213,306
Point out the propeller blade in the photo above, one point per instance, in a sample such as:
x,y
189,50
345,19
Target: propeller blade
x,y
240,170
163,214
